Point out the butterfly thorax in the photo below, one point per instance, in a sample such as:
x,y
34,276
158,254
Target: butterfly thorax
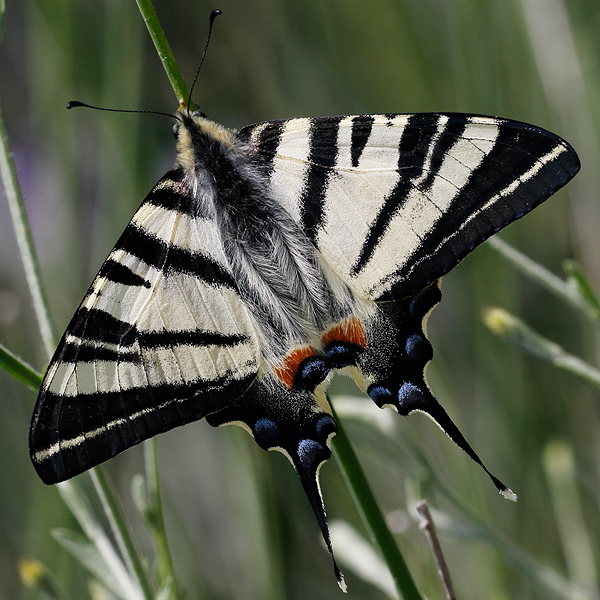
x,y
274,265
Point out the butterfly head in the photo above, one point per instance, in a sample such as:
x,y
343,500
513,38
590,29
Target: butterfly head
x,y
195,134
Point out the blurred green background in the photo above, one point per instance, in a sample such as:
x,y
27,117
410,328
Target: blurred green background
x,y
239,523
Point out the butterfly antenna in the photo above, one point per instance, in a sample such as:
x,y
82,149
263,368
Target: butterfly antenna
x,y
76,103
213,15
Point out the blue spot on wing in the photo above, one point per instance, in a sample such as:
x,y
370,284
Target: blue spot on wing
x,y
413,343
408,393
380,395
325,423
309,451
266,433
311,372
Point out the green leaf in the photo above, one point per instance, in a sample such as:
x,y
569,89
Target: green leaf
x,y
78,503
18,214
18,368
356,553
577,543
122,531
581,284
90,557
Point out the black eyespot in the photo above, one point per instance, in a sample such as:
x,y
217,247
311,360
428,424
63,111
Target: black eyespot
x,y
175,129
199,113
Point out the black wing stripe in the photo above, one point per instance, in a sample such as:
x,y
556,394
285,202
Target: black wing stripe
x,y
198,338
76,351
159,254
267,143
117,272
361,131
422,148
321,161
97,325
171,193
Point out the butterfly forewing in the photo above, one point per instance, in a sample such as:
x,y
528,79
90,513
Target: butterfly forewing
x,y
160,339
393,202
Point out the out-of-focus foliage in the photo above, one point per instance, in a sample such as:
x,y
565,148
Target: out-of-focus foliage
x,y
238,521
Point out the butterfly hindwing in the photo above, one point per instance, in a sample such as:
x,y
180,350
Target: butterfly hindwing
x,y
296,422
161,338
393,202
391,369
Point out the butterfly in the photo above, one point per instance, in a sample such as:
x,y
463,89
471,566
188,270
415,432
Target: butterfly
x,y
269,259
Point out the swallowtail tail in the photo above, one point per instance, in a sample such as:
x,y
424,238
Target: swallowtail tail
x,y
267,260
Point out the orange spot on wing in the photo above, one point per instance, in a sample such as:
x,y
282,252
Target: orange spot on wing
x,y
351,331
287,369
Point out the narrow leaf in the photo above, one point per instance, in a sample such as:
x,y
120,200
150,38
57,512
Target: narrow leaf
x,y
90,557
508,326
19,369
121,530
578,280
78,504
541,275
356,553
2,14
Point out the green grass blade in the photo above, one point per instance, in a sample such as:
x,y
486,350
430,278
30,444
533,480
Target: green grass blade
x,y
78,503
25,241
371,513
19,369
579,281
2,15
88,554
559,466
538,273
120,528
147,498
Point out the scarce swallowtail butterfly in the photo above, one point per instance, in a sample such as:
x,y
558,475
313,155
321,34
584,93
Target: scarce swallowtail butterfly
x,y
269,259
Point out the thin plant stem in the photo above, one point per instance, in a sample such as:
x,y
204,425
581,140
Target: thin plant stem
x,y
426,524
120,529
25,242
164,51
538,273
371,513
505,325
156,518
